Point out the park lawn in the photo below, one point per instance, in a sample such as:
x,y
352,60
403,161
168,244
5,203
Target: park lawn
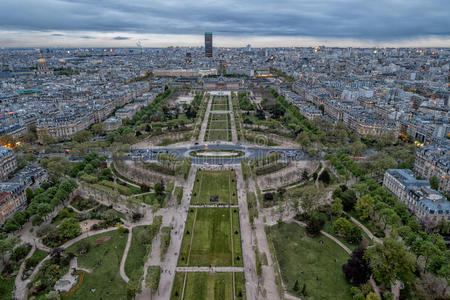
x,y
237,247
104,261
217,106
6,288
218,135
211,241
177,288
208,286
302,258
138,252
218,117
219,128
218,125
185,245
220,103
214,183
38,255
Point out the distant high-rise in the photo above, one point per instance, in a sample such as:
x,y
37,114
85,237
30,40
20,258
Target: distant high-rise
x,y
208,44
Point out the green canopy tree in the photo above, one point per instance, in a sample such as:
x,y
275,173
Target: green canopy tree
x,y
365,206
391,261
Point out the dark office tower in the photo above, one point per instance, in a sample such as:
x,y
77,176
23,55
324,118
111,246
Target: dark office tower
x,y
208,44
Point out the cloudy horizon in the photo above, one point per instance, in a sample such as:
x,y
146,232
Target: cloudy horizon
x,y
341,23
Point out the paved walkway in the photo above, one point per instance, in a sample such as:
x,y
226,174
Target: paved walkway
x,y
20,285
328,236
248,247
214,205
154,259
268,272
367,231
125,255
169,264
210,269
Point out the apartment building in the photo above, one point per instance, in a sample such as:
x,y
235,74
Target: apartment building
x,y
426,203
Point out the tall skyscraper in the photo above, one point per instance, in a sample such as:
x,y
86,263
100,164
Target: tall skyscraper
x,y
208,44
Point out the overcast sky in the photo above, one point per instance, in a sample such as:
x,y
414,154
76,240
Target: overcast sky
x,y
72,23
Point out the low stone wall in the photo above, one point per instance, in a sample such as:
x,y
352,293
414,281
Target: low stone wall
x,y
158,139
140,174
280,140
292,173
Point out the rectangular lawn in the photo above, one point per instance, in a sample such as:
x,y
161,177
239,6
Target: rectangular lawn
x,y
214,183
207,238
208,286
219,128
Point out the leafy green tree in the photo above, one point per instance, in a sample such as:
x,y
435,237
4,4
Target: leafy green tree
x,y
388,216
30,195
429,250
314,225
89,169
36,220
159,188
357,269
11,226
337,207
348,199
372,296
43,209
391,261
20,217
69,228
7,244
342,226
56,165
98,129
434,182
105,174
82,136
365,206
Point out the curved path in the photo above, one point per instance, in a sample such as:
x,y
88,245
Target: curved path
x,y
21,290
328,236
366,230
125,255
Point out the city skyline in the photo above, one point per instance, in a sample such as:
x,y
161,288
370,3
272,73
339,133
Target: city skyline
x,y
160,24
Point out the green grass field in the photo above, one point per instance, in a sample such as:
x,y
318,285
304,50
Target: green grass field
x,y
220,103
139,250
218,135
219,127
318,266
208,286
104,260
214,183
6,288
207,238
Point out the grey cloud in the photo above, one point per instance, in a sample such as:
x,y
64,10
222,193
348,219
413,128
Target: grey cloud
x,y
121,38
378,20
57,34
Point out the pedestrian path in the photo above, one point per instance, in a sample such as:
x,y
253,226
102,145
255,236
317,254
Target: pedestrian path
x,y
213,205
210,269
